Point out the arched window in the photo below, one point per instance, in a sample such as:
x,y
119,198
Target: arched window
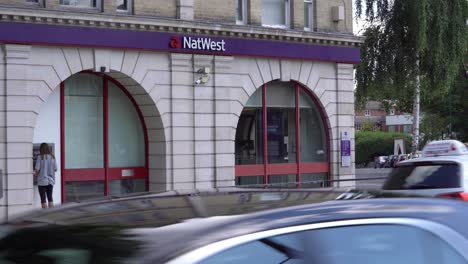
x,y
103,139
281,139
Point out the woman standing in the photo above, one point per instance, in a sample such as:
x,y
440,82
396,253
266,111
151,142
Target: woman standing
x,y
45,170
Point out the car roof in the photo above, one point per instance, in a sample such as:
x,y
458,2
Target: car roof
x,y
174,225
159,209
206,231
459,159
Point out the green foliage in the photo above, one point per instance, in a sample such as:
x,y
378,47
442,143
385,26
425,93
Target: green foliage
x,y
433,127
402,32
367,126
451,109
370,144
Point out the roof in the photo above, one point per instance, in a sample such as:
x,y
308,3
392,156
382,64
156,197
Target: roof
x,y
374,105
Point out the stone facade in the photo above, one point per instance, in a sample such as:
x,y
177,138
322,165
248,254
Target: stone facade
x,y
213,11
191,128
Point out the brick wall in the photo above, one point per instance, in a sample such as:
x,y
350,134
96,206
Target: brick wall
x,y
215,10
255,12
16,2
53,4
224,11
324,18
297,14
109,6
160,8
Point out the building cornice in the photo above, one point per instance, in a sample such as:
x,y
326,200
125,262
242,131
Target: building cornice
x,y
99,20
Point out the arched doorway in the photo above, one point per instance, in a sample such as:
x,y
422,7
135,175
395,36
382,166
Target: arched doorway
x,y
282,139
103,139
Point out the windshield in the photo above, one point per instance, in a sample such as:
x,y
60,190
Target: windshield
x,y
424,175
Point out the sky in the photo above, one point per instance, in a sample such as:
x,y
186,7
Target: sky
x,y
357,24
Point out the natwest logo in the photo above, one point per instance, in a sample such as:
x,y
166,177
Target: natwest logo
x,y
197,43
175,42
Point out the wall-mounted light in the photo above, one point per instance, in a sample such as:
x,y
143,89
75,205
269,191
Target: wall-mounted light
x,y
203,75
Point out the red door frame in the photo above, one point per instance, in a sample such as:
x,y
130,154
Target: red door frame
x,y
109,173
266,169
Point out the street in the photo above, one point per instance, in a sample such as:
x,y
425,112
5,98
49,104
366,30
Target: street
x,y
364,173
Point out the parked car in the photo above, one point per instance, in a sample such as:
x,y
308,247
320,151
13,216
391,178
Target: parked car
x,y
441,171
242,227
402,157
380,161
391,161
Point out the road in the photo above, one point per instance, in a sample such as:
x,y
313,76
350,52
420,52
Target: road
x,y
370,173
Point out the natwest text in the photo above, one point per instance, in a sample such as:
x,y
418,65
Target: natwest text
x,y
204,44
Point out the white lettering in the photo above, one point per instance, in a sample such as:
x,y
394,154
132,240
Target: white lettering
x,y
195,44
222,45
187,42
204,44
213,45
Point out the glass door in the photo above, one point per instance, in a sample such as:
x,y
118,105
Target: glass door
x,y
103,140
126,145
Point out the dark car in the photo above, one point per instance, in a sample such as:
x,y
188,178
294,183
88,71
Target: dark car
x,y
243,227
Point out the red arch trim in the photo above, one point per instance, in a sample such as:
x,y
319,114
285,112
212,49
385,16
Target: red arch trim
x,y
299,167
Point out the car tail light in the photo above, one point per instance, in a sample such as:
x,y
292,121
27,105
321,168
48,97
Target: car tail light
x,y
455,195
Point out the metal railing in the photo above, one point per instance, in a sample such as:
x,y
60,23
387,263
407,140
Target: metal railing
x,y
322,183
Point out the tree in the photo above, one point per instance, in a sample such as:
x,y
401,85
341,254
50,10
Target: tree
x,y
367,125
447,116
413,51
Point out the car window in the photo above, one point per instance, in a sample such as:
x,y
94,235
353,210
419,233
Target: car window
x,y
363,244
280,249
427,175
384,244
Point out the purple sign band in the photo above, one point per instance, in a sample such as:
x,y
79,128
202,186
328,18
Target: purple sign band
x,y
28,33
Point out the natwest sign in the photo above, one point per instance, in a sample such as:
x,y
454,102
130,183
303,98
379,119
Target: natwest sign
x,y
197,43
56,35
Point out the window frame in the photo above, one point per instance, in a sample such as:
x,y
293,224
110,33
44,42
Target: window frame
x,y
128,10
358,126
448,235
407,129
367,113
38,3
98,6
107,173
299,168
310,23
287,16
243,20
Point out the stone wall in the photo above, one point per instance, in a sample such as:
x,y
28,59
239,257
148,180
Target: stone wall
x,y
214,11
191,128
